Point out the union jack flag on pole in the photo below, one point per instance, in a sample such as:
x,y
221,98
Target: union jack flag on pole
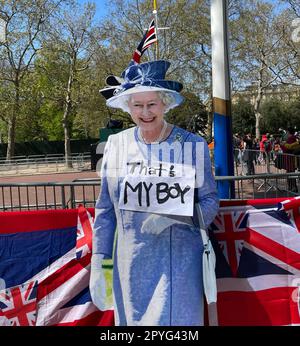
x,y
149,38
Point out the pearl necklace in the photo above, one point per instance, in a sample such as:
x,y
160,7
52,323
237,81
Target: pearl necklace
x,y
158,139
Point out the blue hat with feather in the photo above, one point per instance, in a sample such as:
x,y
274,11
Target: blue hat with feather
x,y
148,76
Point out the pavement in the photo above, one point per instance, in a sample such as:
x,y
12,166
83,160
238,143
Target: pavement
x,y
41,197
42,168
31,176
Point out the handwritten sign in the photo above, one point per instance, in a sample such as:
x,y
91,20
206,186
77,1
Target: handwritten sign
x,y
163,188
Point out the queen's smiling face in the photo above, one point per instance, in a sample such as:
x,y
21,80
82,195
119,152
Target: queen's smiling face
x,y
147,111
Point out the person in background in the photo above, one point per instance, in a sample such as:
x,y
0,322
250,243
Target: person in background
x,y
283,134
289,159
249,154
265,148
256,149
237,148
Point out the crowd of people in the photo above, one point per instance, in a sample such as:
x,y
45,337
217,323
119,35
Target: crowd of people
x,y
270,148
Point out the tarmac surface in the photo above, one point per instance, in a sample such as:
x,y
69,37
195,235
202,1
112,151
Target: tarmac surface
x,y
50,177
46,197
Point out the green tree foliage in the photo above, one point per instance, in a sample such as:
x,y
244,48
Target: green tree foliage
x,y
260,44
274,114
243,117
26,22
292,113
57,57
70,40
186,43
191,115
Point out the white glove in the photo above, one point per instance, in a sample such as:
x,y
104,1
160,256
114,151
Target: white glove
x,y
2,284
97,282
156,223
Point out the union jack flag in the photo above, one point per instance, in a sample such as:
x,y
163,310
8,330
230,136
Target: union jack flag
x,y
261,288
230,229
84,233
47,284
292,208
18,305
47,273
149,38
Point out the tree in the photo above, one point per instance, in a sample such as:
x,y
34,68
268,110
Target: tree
x,y
29,126
243,117
53,64
69,40
292,113
92,112
291,23
191,115
258,49
25,21
294,5
274,115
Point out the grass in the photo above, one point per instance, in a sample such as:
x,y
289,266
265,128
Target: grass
x,y
107,268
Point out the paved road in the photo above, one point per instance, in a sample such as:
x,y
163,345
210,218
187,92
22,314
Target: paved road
x,y
53,177
22,198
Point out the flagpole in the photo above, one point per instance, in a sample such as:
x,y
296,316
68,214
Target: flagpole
x,y
156,27
223,149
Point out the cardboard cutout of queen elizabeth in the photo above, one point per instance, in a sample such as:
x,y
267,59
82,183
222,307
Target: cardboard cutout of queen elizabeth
x,y
151,178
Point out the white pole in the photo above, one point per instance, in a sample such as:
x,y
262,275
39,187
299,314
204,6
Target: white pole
x,y
220,50
223,149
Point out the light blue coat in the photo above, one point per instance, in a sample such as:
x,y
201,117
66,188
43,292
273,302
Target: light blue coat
x,y
157,276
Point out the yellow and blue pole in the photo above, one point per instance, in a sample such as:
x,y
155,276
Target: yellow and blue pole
x,y
223,146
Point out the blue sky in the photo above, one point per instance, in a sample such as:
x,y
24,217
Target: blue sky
x,y
103,7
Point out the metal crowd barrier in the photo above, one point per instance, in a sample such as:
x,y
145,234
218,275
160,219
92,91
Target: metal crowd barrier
x,y
38,162
253,162
35,196
263,185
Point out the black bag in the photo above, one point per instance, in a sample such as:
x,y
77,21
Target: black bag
x,y
267,146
